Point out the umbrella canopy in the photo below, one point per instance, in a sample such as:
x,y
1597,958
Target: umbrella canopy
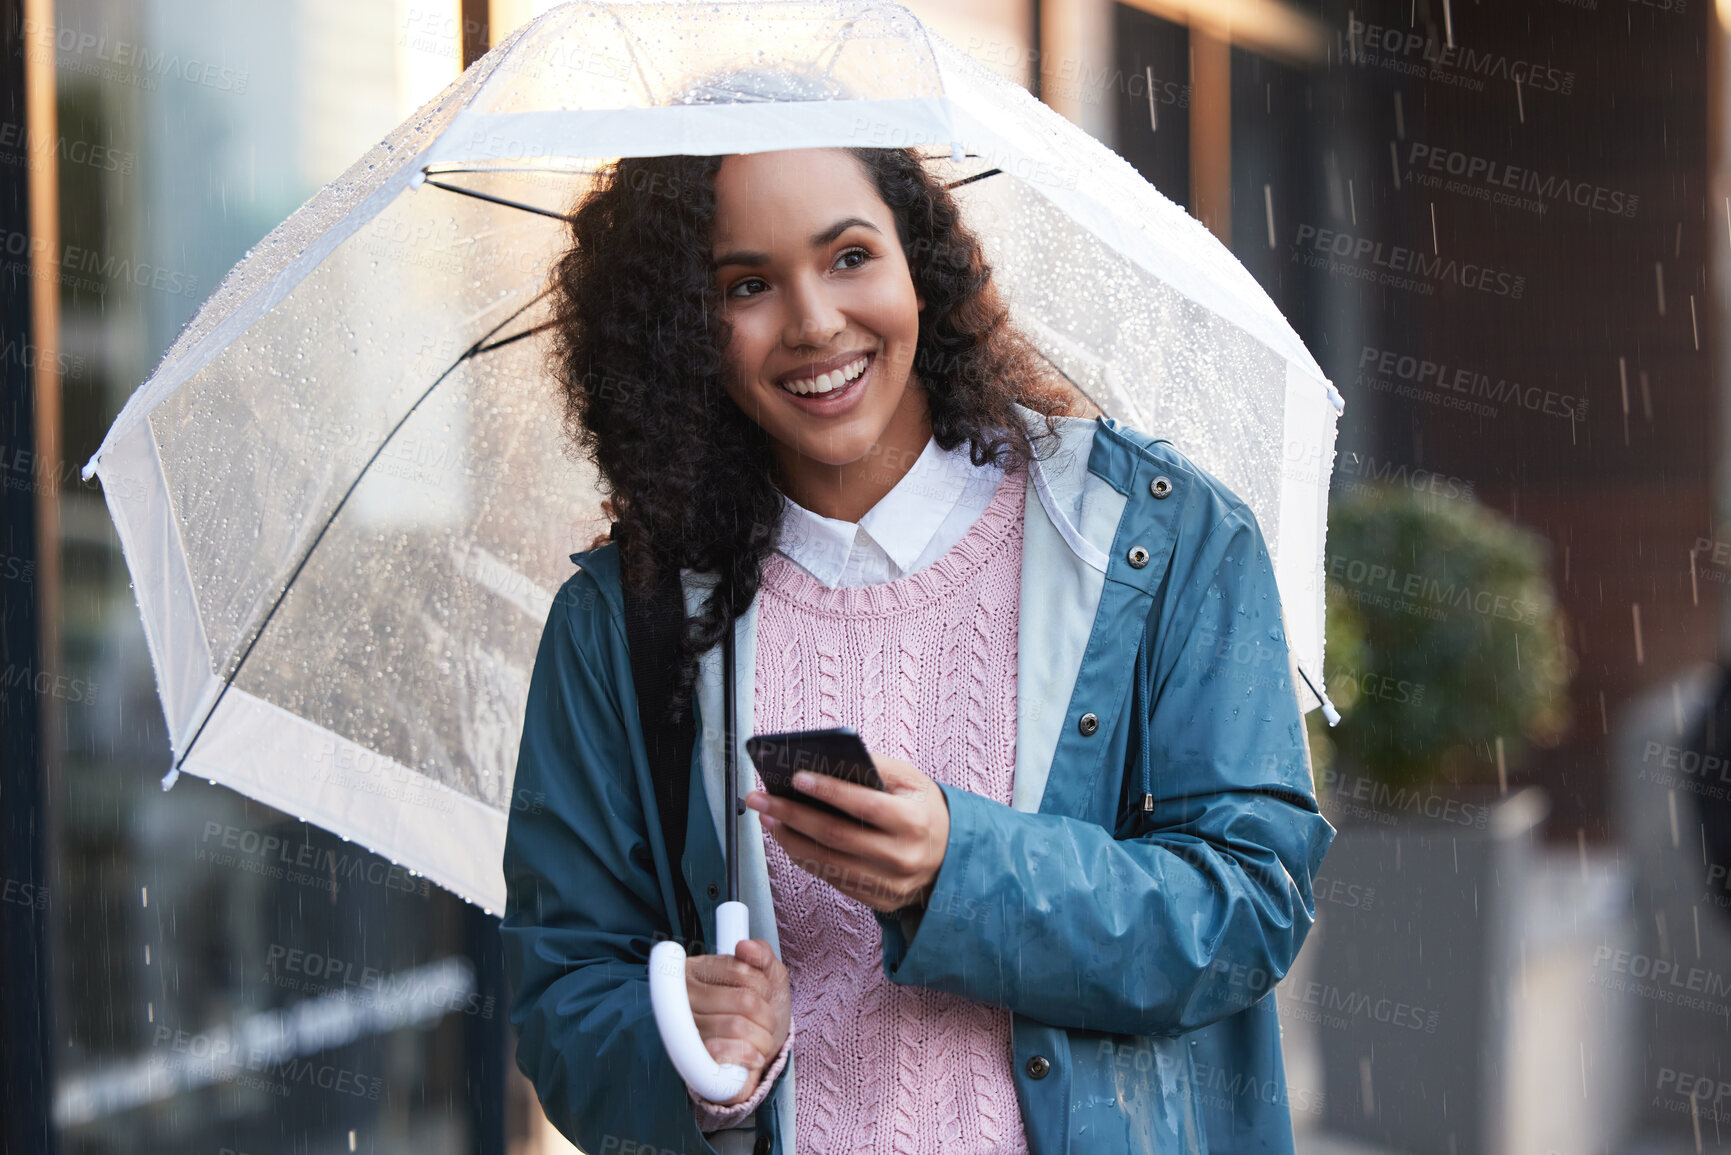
x,y
344,496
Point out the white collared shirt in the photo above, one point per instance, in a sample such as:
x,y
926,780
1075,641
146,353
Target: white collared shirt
x,y
913,525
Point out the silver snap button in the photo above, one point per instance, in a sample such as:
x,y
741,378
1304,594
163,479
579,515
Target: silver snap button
x,y
1038,1066
1138,557
1088,723
1161,487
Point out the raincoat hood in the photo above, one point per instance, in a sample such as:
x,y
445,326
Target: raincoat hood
x,y
1151,879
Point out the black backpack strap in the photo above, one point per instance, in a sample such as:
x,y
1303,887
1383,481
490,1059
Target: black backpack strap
x,y
652,630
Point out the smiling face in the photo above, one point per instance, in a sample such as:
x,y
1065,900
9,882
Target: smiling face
x,y
824,317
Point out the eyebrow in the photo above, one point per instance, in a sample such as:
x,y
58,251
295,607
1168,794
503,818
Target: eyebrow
x,y
752,258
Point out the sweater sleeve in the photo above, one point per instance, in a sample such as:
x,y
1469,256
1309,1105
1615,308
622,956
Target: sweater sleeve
x,y
712,1116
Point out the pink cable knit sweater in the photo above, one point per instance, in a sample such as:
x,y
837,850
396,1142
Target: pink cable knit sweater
x,y
924,667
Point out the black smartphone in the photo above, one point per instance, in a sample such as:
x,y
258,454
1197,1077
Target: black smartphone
x,y
837,752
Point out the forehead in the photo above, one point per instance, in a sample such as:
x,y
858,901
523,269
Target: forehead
x,y
756,194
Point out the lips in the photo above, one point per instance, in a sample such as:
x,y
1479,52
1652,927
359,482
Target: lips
x,y
828,376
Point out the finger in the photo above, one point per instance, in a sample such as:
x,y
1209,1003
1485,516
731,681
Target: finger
x,y
902,780
747,1038
897,772
773,972
753,952
886,826
859,877
725,977
725,1049
717,1000
720,974
760,980
752,1019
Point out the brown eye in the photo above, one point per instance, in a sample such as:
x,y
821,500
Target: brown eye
x,y
735,290
862,254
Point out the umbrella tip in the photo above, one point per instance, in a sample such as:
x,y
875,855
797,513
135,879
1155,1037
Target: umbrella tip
x,y
169,779
955,152
1328,710
418,179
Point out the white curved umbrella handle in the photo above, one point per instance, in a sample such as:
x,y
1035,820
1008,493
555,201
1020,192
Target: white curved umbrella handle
x,y
715,1081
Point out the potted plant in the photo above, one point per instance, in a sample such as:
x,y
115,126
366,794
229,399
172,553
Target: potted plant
x,y
1448,659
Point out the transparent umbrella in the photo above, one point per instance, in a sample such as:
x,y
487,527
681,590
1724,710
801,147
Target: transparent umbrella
x,y
343,495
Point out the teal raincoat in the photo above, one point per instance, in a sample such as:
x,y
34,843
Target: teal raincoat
x,y
1136,946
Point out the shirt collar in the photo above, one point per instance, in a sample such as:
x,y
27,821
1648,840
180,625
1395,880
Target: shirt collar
x,y
902,523
820,545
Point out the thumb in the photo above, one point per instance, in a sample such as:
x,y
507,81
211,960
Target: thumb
x,y
899,776
754,952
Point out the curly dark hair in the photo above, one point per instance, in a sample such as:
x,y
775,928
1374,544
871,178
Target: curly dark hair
x,y
637,348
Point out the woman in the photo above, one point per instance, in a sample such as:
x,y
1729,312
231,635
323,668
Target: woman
x,y
1060,639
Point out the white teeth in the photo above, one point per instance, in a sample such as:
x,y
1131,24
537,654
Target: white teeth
x,y
827,382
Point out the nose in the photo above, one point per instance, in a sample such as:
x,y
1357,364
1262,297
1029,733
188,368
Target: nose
x,y
812,317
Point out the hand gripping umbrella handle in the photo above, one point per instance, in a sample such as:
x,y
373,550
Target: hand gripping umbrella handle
x,y
715,1081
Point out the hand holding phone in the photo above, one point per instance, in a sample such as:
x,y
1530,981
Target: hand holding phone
x,y
889,861
836,752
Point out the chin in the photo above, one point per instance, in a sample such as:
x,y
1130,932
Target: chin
x,y
836,446
847,455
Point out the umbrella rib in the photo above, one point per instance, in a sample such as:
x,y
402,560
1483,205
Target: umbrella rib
x,y
630,40
480,346
543,170
558,216
513,338
975,177
479,195
827,68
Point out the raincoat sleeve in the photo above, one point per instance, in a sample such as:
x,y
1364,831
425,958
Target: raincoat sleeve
x,y
1203,905
583,900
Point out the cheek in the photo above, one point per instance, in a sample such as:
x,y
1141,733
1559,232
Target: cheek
x,y
746,349
895,309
